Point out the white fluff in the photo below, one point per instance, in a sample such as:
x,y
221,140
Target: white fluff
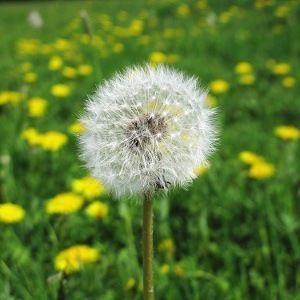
x,y
147,128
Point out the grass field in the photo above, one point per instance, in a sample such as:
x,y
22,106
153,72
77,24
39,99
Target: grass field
x,y
233,234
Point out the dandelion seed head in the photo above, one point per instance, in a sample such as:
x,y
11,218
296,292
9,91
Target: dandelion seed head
x,y
147,128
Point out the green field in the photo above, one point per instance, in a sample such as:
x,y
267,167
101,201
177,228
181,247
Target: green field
x,y
232,234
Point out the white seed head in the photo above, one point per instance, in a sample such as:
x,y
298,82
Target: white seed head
x,y
147,128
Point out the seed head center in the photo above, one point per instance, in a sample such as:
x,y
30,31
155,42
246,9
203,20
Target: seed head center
x,y
147,129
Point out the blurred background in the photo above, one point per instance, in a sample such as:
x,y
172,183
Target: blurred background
x,y
233,234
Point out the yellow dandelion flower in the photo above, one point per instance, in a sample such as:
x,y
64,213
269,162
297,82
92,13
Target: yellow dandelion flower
x,y
289,82
250,158
281,68
201,170
282,11
183,10
26,66
77,128
30,77
64,203
179,271
166,246
243,68
11,213
69,72
10,97
60,90
117,48
247,79
211,101
97,210
53,140
157,57
36,107
261,170
131,283
32,136
71,260
219,86
164,269
55,63
88,187
287,132
84,70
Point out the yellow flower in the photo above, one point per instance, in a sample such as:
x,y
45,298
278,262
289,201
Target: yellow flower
x,y
117,48
247,79
219,86
77,128
26,66
287,132
97,210
11,213
53,140
36,107
289,82
32,136
281,69
183,10
72,259
243,68
166,246
88,187
261,170
200,170
30,77
84,70
250,158
157,57
60,90
10,97
179,271
69,72
55,63
64,203
282,11
164,269
211,101
131,283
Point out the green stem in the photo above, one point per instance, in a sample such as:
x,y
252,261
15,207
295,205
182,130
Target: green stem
x,y
148,246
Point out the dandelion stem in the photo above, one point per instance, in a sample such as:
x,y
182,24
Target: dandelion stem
x,y
148,246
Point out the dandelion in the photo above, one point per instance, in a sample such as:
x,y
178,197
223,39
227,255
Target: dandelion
x,y
36,107
287,132
157,57
131,283
219,86
30,77
76,128
97,210
261,170
289,82
69,72
247,79
72,259
60,90
164,269
11,213
281,68
250,158
147,129
166,246
88,187
55,63
243,68
35,19
64,203
53,140
32,136
84,70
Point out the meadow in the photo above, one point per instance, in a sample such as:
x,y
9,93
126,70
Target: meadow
x,y
233,234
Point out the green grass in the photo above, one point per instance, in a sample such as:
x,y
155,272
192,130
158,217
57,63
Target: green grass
x,y
235,237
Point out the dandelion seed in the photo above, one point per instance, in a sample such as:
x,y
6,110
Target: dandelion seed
x,y
147,128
